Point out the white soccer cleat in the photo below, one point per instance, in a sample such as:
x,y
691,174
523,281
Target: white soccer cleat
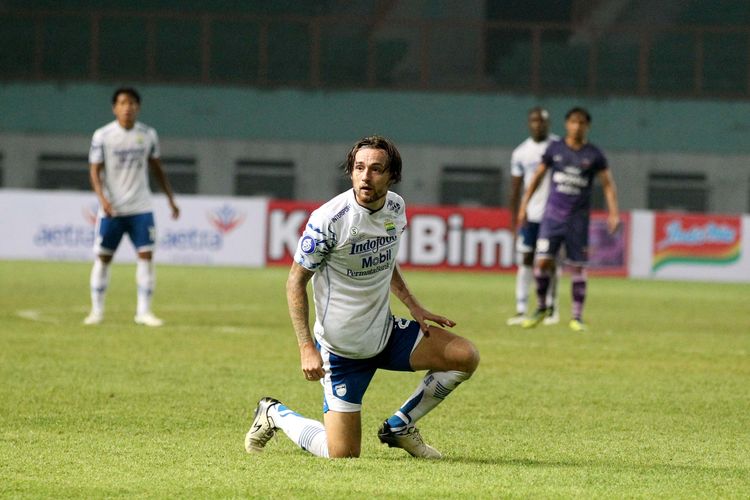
x,y
516,319
148,319
408,440
553,318
262,428
94,318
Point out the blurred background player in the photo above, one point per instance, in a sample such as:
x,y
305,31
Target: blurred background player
x,y
348,249
120,153
573,163
523,163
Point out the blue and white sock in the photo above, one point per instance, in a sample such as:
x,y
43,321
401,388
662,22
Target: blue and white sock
x,y
524,277
99,281
308,434
433,389
145,279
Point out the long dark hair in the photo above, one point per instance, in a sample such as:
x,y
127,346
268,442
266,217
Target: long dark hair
x,y
377,142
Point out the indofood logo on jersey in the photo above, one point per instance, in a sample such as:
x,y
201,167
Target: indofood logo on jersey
x,y
696,240
69,236
372,245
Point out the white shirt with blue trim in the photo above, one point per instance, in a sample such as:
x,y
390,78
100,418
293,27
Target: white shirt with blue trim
x,y
353,253
125,155
523,163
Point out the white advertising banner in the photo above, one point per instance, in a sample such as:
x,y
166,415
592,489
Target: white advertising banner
x,y
690,246
56,225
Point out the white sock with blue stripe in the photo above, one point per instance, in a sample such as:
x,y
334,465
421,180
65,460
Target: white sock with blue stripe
x,y
431,391
145,279
99,281
308,434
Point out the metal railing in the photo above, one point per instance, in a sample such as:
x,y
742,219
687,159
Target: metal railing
x,y
352,52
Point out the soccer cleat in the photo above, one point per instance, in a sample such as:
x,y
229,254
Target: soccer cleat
x,y
515,320
553,317
148,319
94,318
409,440
534,320
577,325
262,428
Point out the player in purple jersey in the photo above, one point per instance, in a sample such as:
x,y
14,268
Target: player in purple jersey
x,y
573,163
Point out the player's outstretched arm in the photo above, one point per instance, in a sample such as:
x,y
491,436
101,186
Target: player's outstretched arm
x,y
299,312
401,290
161,178
96,184
610,195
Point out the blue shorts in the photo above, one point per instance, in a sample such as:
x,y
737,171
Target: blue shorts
x,y
526,243
574,232
139,227
346,379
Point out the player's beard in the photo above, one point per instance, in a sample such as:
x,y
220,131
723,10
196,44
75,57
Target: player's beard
x,y
371,196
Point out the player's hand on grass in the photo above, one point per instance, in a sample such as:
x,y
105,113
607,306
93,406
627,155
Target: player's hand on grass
x,y
312,362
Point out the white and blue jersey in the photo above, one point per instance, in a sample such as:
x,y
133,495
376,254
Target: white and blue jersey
x,y
353,253
125,154
523,163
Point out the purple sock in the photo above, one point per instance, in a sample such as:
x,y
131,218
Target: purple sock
x,y
542,285
578,280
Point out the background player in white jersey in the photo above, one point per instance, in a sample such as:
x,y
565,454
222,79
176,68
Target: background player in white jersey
x,y
121,153
523,164
348,249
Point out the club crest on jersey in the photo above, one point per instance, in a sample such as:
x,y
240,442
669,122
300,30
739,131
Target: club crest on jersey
x,y
390,227
307,245
340,390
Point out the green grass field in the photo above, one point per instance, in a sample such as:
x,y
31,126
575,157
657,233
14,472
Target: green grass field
x,y
653,401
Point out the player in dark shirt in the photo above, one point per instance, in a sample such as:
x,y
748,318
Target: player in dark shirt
x,y
573,163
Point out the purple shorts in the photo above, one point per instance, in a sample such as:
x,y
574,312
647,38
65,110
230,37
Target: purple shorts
x,y
574,232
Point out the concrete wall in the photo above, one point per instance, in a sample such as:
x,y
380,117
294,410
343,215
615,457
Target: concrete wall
x,y
315,129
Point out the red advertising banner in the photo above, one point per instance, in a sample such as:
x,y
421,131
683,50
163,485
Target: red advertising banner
x,y
446,237
696,239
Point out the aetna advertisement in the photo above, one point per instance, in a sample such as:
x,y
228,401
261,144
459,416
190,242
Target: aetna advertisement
x,y
442,238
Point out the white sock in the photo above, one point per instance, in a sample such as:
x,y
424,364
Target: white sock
x,y
552,299
308,434
99,281
431,391
524,277
145,278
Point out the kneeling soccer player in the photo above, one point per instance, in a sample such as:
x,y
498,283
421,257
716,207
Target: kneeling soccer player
x,y
348,249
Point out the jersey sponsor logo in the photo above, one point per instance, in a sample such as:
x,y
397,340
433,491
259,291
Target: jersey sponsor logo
x,y
225,218
341,213
371,260
393,206
307,245
372,245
